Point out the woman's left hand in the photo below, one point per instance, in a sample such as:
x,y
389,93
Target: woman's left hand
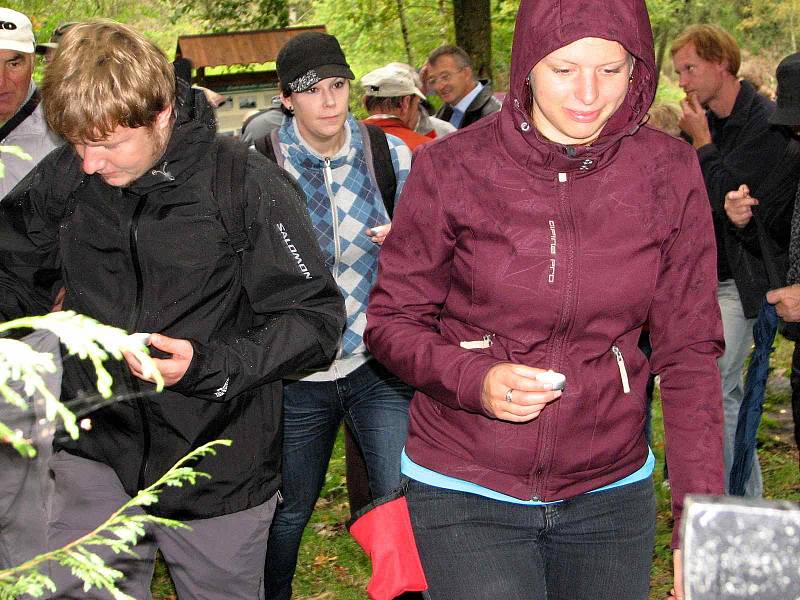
x,y
511,392
676,593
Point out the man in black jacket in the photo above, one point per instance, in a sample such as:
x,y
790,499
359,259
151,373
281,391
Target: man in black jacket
x,y
780,223
727,122
126,216
449,74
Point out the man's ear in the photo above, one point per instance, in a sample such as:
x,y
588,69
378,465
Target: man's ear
x,y
162,119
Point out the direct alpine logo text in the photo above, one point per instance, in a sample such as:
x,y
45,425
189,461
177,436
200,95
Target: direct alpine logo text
x,y
551,273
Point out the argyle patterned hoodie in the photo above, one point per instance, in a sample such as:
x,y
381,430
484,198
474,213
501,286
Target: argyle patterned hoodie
x,y
347,184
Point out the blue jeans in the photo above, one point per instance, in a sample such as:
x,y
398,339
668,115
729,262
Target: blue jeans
x,y
595,546
375,405
753,402
738,332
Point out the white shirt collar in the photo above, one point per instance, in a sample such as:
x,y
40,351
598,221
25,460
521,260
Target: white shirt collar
x,y
463,105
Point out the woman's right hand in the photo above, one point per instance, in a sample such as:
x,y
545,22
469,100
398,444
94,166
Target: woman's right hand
x,y
528,397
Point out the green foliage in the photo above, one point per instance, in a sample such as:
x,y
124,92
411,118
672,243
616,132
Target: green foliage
x,y
771,23
83,337
233,15
120,532
504,15
370,35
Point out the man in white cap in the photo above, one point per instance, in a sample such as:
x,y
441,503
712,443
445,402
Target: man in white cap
x,y
392,101
22,123
24,483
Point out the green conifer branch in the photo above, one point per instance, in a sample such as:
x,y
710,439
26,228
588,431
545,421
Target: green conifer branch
x,y
120,532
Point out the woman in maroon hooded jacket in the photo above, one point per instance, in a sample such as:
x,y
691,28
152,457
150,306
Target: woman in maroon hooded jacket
x,y
543,238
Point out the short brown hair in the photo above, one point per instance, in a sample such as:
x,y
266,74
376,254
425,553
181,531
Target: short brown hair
x,y
459,55
104,75
712,43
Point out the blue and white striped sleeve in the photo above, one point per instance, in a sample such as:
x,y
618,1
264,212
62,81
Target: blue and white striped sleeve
x,y
401,161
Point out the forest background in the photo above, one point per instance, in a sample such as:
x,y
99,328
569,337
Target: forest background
x,y
376,32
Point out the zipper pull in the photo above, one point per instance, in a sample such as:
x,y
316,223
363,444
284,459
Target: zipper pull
x,y
481,344
327,170
623,372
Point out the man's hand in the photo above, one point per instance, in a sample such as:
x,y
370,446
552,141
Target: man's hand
x,y
676,593
172,369
738,206
58,301
693,121
787,302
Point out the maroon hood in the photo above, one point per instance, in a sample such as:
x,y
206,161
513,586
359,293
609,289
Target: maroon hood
x,y
546,25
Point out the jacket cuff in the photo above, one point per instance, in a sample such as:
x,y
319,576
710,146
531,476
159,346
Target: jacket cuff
x,y
186,385
706,152
470,385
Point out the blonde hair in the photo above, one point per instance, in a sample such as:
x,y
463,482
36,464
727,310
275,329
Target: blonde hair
x,y
665,117
105,74
712,43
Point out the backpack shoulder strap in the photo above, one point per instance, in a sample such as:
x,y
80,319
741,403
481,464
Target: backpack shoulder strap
x,y
71,177
379,159
267,146
231,161
23,113
264,146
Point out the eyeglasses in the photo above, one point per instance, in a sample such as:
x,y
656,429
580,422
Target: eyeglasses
x,y
444,77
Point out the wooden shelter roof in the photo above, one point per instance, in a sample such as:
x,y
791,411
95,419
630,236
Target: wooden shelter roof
x,y
236,47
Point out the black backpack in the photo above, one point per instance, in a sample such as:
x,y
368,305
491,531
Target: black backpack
x,y
379,159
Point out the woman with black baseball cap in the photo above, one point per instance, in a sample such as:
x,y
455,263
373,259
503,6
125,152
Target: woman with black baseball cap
x,y
330,155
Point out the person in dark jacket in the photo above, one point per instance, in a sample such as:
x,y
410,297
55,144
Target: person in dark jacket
x,y
561,227
125,216
449,74
727,122
24,482
780,223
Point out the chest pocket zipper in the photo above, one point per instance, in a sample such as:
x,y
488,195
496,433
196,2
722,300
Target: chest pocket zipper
x,y
623,372
485,342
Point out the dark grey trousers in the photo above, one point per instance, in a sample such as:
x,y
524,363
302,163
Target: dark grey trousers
x,y
25,485
219,558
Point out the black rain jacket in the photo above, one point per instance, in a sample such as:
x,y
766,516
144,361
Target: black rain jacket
x,y
155,257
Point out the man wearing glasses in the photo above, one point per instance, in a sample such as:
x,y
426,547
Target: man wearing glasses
x,y
449,74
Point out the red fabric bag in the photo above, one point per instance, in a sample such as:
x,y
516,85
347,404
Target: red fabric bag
x,y
383,530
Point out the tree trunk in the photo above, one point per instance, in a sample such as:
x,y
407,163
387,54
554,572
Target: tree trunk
x,y
401,13
662,39
472,20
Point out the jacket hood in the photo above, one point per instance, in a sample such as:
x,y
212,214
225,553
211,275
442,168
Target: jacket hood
x,y
543,26
193,131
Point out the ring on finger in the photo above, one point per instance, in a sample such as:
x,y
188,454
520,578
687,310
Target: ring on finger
x,y
510,395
